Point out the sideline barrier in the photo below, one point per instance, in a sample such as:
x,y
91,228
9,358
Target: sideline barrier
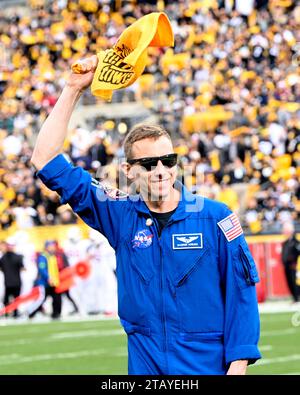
x,y
266,251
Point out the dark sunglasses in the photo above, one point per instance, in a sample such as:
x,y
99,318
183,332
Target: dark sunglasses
x,y
169,160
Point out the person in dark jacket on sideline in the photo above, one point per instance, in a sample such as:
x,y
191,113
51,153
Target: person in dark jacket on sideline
x,y
290,254
11,265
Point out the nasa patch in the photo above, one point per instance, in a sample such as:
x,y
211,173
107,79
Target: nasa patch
x,y
142,239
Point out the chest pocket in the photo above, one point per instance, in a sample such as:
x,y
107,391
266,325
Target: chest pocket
x,y
134,274
197,292
140,260
244,267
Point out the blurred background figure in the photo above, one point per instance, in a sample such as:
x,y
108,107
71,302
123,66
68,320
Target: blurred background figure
x,y
101,285
48,278
290,254
98,151
25,247
11,264
75,248
63,262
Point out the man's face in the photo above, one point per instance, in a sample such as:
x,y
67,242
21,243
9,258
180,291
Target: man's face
x,y
51,248
288,229
157,183
10,247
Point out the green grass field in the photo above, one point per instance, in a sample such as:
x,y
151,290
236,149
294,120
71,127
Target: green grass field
x,y
99,347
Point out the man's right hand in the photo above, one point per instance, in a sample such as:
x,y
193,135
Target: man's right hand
x,y
81,81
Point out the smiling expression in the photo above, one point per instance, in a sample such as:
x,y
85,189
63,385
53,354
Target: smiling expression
x,y
157,183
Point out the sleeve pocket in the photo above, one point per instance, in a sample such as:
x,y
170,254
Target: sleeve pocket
x,y
245,268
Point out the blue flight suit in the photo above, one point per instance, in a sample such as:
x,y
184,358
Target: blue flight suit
x,y
186,298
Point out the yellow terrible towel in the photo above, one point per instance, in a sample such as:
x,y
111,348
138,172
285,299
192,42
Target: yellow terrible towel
x,y
120,66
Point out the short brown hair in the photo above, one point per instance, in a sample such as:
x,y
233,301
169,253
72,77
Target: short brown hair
x,y
140,132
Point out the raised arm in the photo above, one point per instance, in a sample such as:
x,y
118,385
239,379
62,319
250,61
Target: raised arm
x,y
51,137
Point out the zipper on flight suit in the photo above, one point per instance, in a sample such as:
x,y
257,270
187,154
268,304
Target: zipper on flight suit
x,y
161,281
163,304
163,318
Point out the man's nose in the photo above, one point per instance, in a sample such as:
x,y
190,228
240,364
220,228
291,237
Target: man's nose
x,y
159,169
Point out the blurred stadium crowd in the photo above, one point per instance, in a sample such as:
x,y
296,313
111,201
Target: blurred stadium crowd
x,y
228,92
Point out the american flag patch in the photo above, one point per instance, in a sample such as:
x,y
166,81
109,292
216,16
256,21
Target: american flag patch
x,y
231,227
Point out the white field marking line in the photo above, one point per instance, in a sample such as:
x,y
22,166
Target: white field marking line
x,y
268,361
281,332
64,336
72,335
98,324
279,310
266,348
63,320
25,330
67,355
290,374
9,356
273,317
39,330
16,342
120,354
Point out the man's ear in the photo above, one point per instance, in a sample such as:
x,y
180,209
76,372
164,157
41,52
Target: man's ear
x,y
126,168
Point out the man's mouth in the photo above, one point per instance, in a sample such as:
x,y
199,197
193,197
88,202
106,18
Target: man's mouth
x,y
160,181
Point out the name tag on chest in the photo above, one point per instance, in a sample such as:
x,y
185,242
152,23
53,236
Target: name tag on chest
x,y
187,241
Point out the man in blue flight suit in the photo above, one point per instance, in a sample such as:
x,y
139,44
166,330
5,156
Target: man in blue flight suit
x,y
186,278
